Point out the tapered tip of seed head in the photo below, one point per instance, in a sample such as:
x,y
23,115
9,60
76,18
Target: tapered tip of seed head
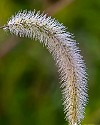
x,y
3,27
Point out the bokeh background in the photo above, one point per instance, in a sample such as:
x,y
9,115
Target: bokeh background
x,y
29,84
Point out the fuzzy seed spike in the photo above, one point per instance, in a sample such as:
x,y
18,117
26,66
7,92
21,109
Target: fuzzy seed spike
x,y
60,44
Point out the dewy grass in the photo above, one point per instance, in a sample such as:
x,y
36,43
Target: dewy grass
x,y
59,42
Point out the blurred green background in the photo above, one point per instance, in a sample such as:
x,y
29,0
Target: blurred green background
x,y
29,84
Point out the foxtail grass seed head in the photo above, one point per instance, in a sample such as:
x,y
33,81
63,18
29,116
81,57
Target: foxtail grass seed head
x,y
59,42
